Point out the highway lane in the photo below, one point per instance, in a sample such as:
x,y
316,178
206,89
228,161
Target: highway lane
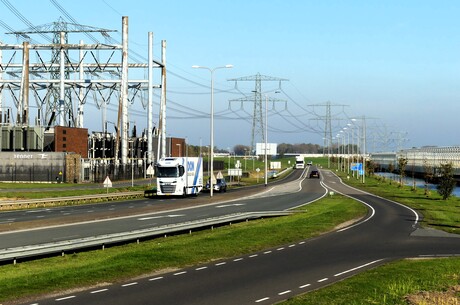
x,y
264,201
70,214
267,277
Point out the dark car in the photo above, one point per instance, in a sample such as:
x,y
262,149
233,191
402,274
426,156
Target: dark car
x,y
314,174
220,185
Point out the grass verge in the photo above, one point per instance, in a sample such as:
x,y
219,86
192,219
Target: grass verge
x,y
116,263
40,191
395,284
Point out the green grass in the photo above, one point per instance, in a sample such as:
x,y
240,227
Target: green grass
x,y
116,263
388,284
39,191
384,285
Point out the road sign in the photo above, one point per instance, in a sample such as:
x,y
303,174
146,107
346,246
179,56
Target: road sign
x,y
356,166
107,182
235,172
150,170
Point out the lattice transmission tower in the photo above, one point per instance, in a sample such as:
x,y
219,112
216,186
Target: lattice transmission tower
x,y
59,104
257,119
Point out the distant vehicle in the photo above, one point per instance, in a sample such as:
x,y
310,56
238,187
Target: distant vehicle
x,y
299,162
314,174
220,185
310,163
179,176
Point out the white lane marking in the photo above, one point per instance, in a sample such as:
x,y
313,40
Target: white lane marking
x,y
290,246
99,291
279,249
129,284
220,264
304,286
323,280
161,216
156,278
229,205
238,259
261,300
284,292
359,267
151,217
65,298
201,268
301,243
254,255
37,211
180,273
267,252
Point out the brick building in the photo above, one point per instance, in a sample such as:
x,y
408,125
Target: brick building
x,y
70,139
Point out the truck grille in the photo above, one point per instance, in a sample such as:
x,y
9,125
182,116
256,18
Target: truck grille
x,y
168,189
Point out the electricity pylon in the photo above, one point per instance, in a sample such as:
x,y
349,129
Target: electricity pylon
x,y
257,119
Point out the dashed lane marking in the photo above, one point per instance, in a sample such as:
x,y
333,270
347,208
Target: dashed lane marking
x,y
99,291
263,299
65,298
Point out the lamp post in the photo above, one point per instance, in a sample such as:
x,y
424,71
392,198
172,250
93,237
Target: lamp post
x,y
266,141
211,70
132,163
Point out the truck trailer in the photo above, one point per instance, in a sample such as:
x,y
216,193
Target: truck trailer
x,y
179,176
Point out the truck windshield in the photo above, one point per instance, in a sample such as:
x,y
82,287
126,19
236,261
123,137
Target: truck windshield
x,y
163,172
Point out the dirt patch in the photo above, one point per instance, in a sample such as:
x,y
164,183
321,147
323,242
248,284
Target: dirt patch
x,y
347,223
449,297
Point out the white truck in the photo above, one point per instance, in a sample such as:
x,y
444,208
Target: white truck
x,y
179,176
299,162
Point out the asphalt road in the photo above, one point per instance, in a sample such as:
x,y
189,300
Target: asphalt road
x,y
40,226
389,232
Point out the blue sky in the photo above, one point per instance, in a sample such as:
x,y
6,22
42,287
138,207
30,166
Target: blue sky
x,y
394,62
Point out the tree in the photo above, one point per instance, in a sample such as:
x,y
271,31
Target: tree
x,y
241,150
402,162
447,182
391,168
427,174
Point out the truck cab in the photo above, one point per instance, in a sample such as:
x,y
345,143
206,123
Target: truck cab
x,y
179,176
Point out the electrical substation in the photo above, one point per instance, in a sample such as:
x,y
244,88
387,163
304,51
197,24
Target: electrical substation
x,y
43,92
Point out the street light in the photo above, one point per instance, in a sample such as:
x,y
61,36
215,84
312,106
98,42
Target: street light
x,y
266,141
266,137
211,70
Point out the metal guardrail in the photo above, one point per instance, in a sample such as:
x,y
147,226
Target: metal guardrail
x,y
102,240
32,203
